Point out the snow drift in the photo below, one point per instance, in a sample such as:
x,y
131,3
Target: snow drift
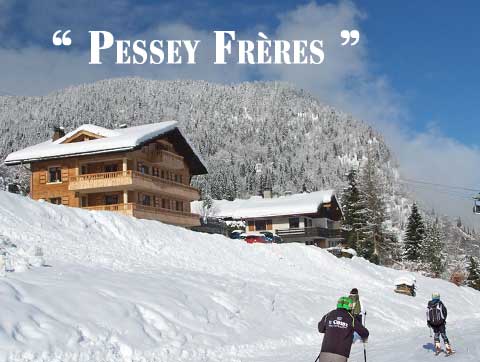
x,y
120,289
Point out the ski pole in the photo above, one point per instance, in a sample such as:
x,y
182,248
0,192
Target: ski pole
x,y
365,348
430,329
318,357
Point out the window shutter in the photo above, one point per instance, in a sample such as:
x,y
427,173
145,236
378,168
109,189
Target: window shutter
x,y
64,174
269,224
65,200
43,177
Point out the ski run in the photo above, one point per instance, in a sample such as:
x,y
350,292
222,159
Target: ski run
x,y
114,288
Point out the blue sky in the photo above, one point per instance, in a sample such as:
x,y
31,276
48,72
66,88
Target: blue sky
x,y
425,50
414,74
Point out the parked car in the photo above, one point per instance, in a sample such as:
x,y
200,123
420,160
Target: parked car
x,y
236,234
255,238
271,237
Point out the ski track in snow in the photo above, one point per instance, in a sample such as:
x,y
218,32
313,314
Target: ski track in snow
x,y
121,289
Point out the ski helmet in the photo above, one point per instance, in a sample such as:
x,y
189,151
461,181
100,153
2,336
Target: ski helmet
x,y
435,295
345,303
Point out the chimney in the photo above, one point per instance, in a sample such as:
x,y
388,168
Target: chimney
x,y
58,132
267,194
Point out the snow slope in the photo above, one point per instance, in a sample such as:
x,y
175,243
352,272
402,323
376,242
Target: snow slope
x,y
121,289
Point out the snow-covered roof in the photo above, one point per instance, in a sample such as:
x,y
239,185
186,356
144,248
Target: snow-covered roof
x,y
112,140
405,279
256,206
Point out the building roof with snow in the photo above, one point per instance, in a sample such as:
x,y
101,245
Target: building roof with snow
x,y
259,207
108,141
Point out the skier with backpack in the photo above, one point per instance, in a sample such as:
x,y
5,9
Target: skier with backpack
x,y
338,326
437,319
357,307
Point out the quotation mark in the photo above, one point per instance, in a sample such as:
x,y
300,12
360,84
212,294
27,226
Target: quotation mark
x,y
348,35
64,40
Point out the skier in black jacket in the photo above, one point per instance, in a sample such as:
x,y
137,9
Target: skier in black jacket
x,y
338,326
437,319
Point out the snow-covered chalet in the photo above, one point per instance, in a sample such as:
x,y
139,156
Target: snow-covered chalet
x,y
313,218
142,171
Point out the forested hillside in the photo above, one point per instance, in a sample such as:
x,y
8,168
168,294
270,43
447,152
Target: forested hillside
x,y
300,143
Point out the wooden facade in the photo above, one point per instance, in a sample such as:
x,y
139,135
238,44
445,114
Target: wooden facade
x,y
151,181
322,228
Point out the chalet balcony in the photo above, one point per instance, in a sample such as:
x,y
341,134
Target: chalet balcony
x,y
132,180
139,211
311,232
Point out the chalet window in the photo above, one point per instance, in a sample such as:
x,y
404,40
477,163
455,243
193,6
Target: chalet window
x,y
84,170
294,222
307,222
251,225
177,178
56,200
181,179
165,204
178,205
146,200
155,171
84,201
162,174
260,225
54,174
111,168
111,199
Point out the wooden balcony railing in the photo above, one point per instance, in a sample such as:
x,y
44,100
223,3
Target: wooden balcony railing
x,y
114,207
105,180
167,158
149,212
100,176
311,232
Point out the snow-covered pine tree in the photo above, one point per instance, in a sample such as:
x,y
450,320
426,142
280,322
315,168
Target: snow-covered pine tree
x,y
473,278
414,235
372,242
432,249
352,208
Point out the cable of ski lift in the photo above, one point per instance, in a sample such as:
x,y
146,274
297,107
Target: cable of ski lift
x,y
451,192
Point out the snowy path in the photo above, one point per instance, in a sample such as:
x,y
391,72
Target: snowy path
x,y
120,289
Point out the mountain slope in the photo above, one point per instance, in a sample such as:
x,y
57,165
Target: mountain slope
x,y
121,289
300,142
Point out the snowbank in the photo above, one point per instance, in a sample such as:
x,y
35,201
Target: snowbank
x,y
121,289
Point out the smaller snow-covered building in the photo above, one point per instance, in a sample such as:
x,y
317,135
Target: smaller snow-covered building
x,y
143,171
311,218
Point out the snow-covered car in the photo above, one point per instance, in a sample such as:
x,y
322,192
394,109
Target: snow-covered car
x,y
271,237
236,234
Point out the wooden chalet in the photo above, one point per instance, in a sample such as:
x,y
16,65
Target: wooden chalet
x,y
142,171
312,218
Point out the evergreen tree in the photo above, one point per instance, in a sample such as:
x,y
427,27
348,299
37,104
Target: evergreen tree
x,y
372,243
432,250
352,208
414,235
473,279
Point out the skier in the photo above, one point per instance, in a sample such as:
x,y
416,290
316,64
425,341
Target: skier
x,y
357,307
436,319
338,326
